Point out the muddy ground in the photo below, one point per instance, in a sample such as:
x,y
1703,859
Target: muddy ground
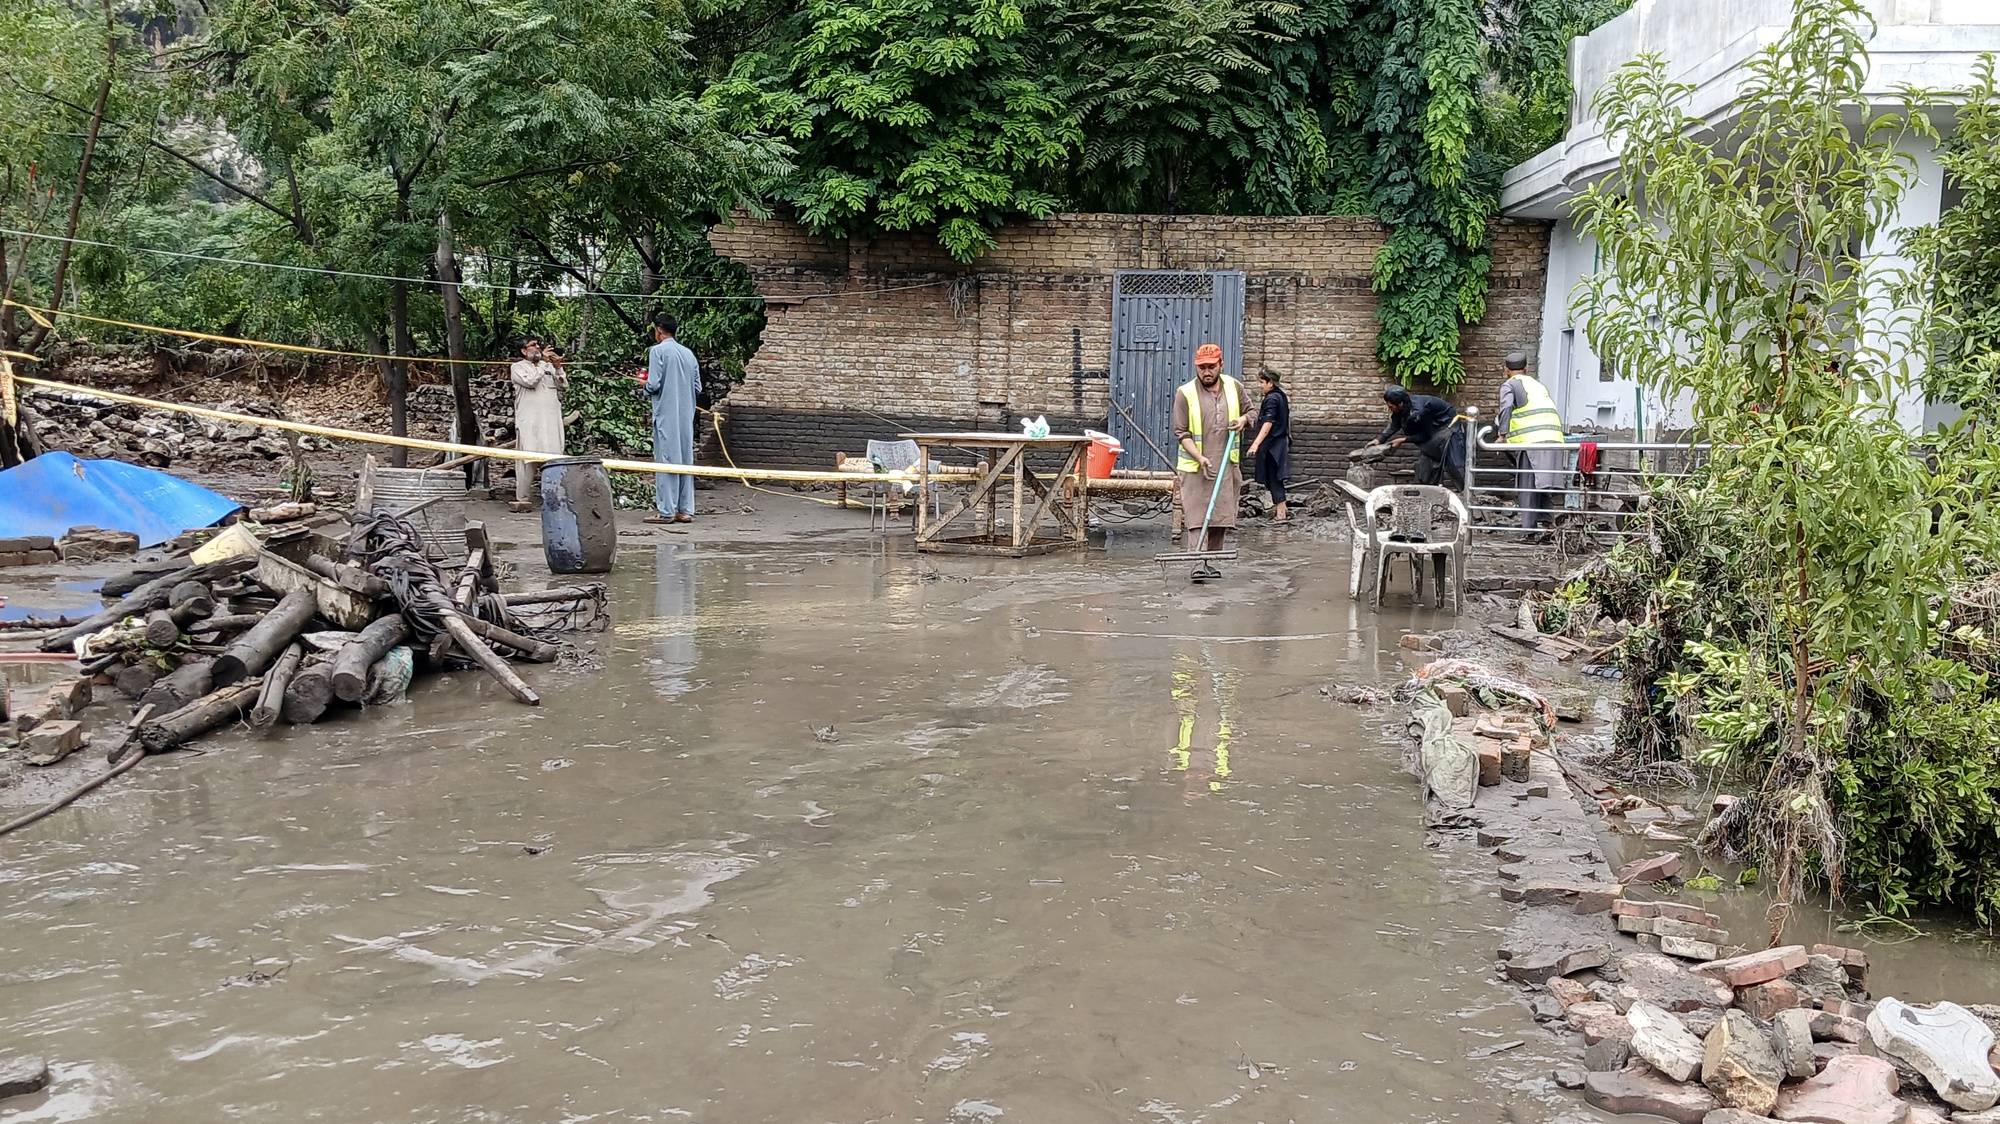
x,y
823,830
817,829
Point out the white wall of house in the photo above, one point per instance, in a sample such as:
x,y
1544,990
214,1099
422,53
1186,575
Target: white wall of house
x,y
1932,44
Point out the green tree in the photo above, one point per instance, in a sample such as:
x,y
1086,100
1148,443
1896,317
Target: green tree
x,y
1181,107
1963,254
924,114
1733,274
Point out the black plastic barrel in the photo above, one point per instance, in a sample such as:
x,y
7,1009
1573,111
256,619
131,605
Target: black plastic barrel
x,y
579,527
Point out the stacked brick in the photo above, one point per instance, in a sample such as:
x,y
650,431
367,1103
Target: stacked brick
x,y
910,338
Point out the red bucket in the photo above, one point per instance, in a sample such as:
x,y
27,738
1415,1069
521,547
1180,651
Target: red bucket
x,y
1102,455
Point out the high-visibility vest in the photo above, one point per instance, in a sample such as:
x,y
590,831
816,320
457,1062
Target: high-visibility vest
x,y
1536,421
1191,391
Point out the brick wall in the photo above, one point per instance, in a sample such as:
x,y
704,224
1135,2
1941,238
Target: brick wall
x,y
910,338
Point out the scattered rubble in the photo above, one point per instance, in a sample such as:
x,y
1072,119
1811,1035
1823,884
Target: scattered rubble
x,y
1639,1089
1663,982
1688,1027
21,1074
1664,1042
1739,1064
90,427
1944,1042
1851,1090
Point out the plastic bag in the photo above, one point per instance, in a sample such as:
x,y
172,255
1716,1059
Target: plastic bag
x,y
1035,428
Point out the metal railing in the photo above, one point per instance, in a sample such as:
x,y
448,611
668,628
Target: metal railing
x,y
1600,503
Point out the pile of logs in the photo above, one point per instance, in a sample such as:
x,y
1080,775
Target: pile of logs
x,y
262,638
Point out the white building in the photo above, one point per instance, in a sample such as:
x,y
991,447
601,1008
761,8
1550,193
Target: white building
x,y
1708,44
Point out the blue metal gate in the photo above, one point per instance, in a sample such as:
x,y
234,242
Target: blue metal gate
x,y
1158,318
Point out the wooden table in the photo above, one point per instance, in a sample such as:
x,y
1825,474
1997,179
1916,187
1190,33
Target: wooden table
x,y
1055,497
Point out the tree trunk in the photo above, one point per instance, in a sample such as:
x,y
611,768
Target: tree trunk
x,y
152,595
399,370
161,631
271,698
180,687
308,694
77,194
454,339
199,717
649,267
350,666
394,384
256,649
134,680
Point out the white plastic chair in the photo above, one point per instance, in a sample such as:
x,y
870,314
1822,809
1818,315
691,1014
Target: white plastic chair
x,y
1425,521
894,455
1359,531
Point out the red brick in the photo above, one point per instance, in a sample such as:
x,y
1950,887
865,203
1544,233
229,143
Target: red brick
x,y
1756,967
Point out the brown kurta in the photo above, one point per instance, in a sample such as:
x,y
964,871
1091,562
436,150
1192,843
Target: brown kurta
x,y
1195,487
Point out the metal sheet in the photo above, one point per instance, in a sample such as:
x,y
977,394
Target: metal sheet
x,y
1158,318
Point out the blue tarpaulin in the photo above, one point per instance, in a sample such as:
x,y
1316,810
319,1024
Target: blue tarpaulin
x,y
55,491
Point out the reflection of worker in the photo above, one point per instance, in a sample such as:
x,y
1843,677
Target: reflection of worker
x,y
1528,417
1208,411
1425,422
1187,705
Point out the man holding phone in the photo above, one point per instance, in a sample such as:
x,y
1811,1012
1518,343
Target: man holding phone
x,y
538,426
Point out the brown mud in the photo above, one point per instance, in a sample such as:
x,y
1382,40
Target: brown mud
x,y
822,830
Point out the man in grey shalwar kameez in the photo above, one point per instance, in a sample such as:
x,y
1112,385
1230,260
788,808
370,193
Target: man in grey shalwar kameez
x,y
672,380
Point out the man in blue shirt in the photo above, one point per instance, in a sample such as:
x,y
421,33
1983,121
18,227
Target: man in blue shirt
x,y
673,378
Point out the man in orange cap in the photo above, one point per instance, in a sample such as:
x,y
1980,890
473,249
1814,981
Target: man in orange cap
x,y
1208,410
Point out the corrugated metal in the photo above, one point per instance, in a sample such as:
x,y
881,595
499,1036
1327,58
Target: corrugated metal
x,y
442,524
1158,318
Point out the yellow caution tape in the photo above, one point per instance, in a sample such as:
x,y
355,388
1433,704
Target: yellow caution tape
x,y
783,475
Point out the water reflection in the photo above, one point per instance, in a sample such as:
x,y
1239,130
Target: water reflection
x,y
676,648
1196,680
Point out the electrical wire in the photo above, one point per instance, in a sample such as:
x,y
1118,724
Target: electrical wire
x,y
427,282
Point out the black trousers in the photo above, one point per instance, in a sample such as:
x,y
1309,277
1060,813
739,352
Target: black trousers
x,y
1273,464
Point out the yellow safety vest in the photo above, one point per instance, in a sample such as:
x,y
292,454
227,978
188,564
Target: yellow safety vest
x,y
1191,391
1536,421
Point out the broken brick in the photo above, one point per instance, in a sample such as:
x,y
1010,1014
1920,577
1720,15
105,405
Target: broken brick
x,y
1755,967
1766,999
1653,868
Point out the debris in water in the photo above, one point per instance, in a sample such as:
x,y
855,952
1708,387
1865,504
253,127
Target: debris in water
x,y
256,976
535,849
825,734
1485,1052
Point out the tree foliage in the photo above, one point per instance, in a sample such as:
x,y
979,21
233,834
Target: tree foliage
x,y
1963,252
1801,586
563,143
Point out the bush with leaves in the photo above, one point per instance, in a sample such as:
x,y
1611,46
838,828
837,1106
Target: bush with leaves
x,y
1799,600
1963,249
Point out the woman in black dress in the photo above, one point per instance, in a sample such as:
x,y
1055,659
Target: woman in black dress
x,y
1271,448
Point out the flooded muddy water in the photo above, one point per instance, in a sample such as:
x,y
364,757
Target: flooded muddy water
x,y
825,836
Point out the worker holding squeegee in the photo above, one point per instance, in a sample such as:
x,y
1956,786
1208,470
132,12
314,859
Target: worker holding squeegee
x,y
1209,418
